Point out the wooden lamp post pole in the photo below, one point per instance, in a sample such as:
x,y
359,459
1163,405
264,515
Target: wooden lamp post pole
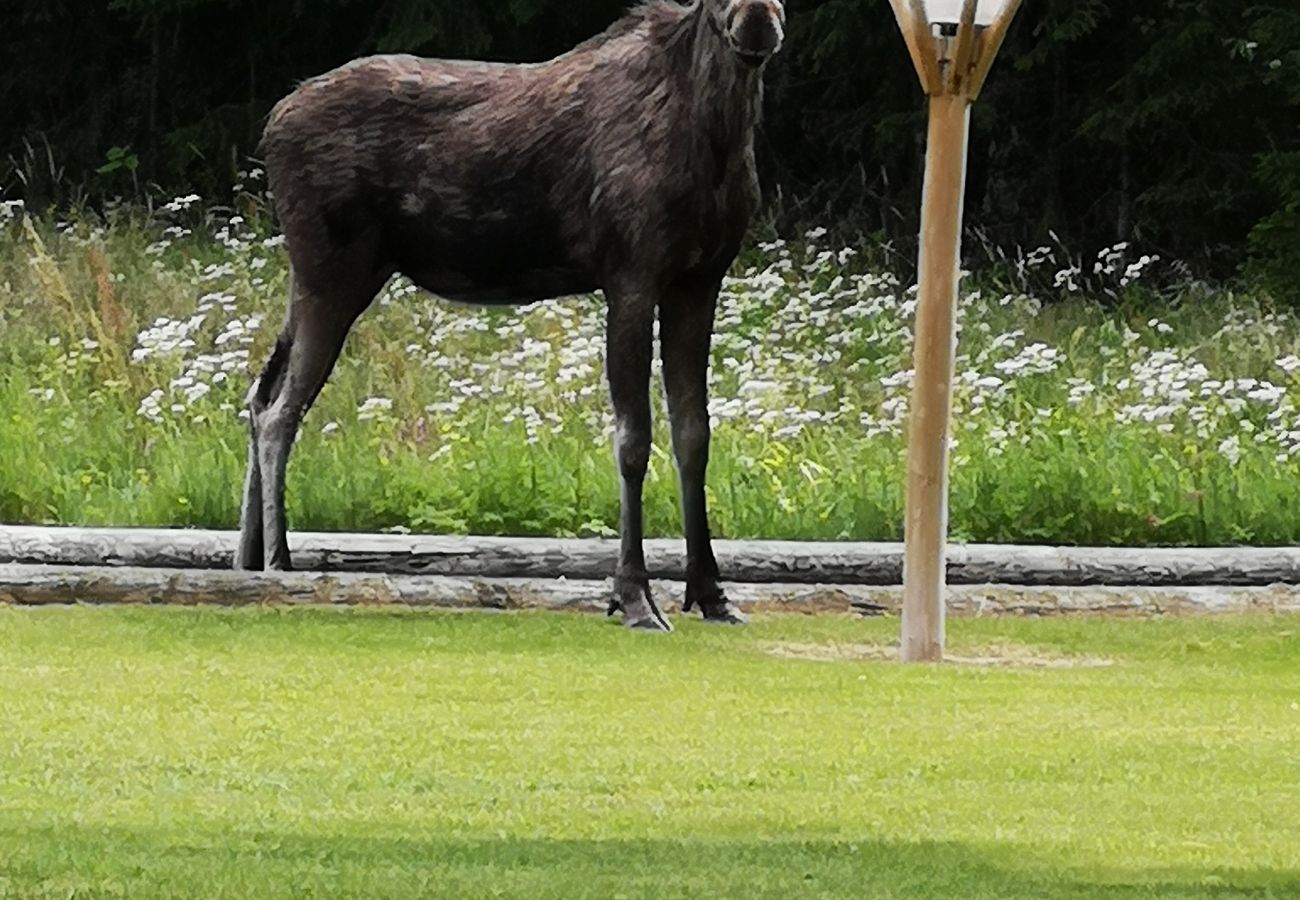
x,y
952,68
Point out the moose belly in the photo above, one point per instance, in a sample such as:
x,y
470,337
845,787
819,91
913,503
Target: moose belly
x,y
490,257
503,288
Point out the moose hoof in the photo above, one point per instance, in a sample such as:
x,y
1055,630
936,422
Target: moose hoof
x,y
652,622
723,612
639,611
247,564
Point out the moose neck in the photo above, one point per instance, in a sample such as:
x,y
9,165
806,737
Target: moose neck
x,y
728,93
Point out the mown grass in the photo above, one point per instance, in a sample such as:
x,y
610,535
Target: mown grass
x,y
168,753
1100,415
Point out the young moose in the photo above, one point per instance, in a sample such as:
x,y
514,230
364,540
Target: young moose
x,y
625,165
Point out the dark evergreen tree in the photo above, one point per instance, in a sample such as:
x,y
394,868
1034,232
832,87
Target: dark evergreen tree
x,y
1171,123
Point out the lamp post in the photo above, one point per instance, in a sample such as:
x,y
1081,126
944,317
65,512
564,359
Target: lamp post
x,y
952,44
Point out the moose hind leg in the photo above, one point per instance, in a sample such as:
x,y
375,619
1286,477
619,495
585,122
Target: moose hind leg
x,y
630,339
313,337
249,555
686,326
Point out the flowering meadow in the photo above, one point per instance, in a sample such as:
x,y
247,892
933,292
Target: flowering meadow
x,y
1089,407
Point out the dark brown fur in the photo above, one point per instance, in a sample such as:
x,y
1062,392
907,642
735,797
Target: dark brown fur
x,y
625,165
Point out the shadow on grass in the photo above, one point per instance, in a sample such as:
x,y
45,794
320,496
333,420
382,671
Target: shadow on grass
x,y
109,862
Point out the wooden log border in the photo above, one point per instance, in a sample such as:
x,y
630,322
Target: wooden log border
x,y
746,562
41,586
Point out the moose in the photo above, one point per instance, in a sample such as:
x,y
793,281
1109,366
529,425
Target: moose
x,y
625,165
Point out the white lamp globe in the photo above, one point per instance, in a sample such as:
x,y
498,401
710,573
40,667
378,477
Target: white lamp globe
x,y
948,12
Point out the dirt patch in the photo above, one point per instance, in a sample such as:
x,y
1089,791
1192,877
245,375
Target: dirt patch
x,y
1009,656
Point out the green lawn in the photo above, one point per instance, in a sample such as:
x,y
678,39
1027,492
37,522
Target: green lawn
x,y
168,753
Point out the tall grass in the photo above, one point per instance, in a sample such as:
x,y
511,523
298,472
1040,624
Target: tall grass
x,y
1086,410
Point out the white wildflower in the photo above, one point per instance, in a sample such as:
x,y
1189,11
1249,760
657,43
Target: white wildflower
x,y
1230,449
374,408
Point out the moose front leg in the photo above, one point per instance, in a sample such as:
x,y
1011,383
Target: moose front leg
x,y
685,335
629,339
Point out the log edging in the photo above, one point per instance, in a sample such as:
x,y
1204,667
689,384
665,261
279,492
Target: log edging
x,y
756,562
37,585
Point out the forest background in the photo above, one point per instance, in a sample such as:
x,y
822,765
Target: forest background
x,y
1172,124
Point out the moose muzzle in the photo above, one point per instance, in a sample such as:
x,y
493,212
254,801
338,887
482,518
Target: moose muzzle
x,y
756,29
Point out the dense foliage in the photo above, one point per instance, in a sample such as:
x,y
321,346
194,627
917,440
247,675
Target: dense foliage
x,y
1086,411
1171,123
